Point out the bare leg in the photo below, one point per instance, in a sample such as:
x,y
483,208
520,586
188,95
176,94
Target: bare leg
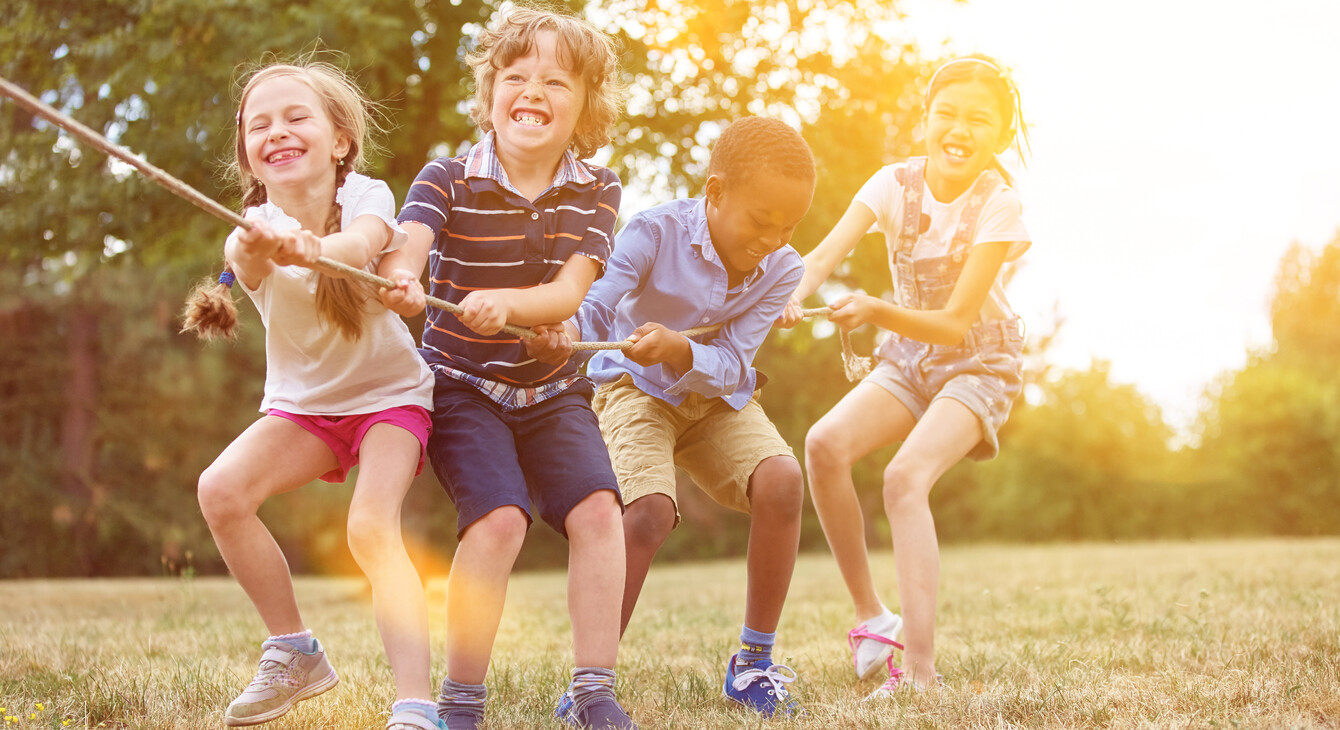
x,y
865,419
943,436
388,457
477,589
596,569
647,522
274,455
776,494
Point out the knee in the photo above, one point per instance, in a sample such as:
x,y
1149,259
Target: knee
x,y
596,515
824,450
904,485
222,500
502,530
777,487
371,535
648,522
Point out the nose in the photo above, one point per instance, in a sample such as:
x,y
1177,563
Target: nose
x,y
534,89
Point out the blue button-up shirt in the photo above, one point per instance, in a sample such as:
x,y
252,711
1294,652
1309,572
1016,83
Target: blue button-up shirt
x,y
664,269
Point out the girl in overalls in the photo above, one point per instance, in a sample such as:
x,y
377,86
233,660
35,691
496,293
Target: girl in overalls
x,y
949,370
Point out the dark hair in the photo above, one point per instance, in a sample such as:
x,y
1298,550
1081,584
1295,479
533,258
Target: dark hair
x,y
983,68
754,145
583,49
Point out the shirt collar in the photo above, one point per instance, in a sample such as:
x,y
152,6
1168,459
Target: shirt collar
x,y
482,162
702,239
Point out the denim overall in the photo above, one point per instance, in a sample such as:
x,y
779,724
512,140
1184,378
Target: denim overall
x,y
984,372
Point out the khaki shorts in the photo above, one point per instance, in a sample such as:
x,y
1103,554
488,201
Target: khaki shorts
x,y
718,446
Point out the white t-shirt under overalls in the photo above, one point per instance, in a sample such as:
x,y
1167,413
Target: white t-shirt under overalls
x,y
315,370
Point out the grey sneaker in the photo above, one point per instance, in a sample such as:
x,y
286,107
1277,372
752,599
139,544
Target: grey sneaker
x,y
285,677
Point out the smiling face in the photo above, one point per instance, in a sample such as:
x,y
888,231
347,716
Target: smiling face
x,y
290,142
537,102
749,220
964,132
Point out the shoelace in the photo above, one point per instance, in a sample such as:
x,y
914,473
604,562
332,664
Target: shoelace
x,y
272,672
772,675
895,678
862,632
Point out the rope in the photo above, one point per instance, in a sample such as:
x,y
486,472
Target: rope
x,y
323,264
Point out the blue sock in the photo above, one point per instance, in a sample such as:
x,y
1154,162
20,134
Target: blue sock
x,y
755,646
302,641
461,705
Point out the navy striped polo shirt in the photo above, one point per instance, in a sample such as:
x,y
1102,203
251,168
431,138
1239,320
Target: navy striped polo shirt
x,y
489,236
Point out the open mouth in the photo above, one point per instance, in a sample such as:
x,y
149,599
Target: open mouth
x,y
530,118
956,152
283,155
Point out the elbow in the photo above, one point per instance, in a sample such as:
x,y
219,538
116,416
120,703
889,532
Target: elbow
x,y
954,331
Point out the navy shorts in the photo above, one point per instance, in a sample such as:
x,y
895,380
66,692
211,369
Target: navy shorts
x,y
550,454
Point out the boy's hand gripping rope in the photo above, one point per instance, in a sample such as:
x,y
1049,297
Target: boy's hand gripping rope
x,y
329,266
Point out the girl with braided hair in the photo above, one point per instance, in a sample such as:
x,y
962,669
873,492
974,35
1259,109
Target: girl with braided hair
x,y
344,384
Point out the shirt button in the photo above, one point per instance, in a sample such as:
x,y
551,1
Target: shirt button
x,y
704,320
534,216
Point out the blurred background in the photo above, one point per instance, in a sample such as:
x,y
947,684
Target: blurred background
x,y
1182,293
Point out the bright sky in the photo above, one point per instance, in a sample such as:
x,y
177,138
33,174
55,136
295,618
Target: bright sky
x,y
1179,148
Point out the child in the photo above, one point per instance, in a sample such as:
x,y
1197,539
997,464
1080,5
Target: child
x,y
343,383
670,400
947,375
515,231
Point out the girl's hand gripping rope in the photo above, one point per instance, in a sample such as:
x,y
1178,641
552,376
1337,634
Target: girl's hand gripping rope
x,y
407,297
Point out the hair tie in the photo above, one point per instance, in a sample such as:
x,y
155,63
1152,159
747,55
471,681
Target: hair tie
x,y
226,278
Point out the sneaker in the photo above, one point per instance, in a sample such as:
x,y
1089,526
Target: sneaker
x,y
460,719
872,643
761,687
411,720
898,681
285,677
598,714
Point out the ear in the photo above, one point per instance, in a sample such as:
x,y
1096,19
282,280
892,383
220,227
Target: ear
x,y
342,145
715,190
1006,139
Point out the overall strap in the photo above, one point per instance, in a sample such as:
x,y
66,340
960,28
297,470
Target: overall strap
x,y
983,188
914,183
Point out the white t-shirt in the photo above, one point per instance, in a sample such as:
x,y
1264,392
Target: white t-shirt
x,y
315,370
1000,221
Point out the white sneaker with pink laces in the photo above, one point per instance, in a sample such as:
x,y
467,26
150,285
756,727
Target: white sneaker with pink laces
x,y
872,643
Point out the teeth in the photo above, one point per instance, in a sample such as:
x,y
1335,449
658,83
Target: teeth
x,y
284,155
528,119
957,151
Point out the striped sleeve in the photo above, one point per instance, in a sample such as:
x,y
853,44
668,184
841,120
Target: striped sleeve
x,y
598,238
429,199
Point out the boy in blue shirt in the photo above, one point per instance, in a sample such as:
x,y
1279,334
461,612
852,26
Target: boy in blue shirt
x,y
670,400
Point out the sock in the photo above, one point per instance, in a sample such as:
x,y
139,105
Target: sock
x,y
755,646
590,684
427,708
456,697
303,641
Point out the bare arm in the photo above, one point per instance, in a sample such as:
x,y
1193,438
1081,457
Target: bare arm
x,y
935,326
486,311
820,263
405,266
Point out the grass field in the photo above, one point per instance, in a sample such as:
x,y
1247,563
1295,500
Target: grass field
x,y
1207,634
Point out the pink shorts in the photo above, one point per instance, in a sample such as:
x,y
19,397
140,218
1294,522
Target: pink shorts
x,y
344,434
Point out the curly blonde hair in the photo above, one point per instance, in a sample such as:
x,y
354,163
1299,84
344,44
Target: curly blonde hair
x,y
584,50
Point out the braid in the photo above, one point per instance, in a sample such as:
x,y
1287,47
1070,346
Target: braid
x,y
339,302
210,310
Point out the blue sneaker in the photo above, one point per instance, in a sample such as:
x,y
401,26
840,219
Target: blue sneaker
x,y
599,714
761,687
563,711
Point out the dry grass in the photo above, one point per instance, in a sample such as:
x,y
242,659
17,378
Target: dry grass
x,y
1222,634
